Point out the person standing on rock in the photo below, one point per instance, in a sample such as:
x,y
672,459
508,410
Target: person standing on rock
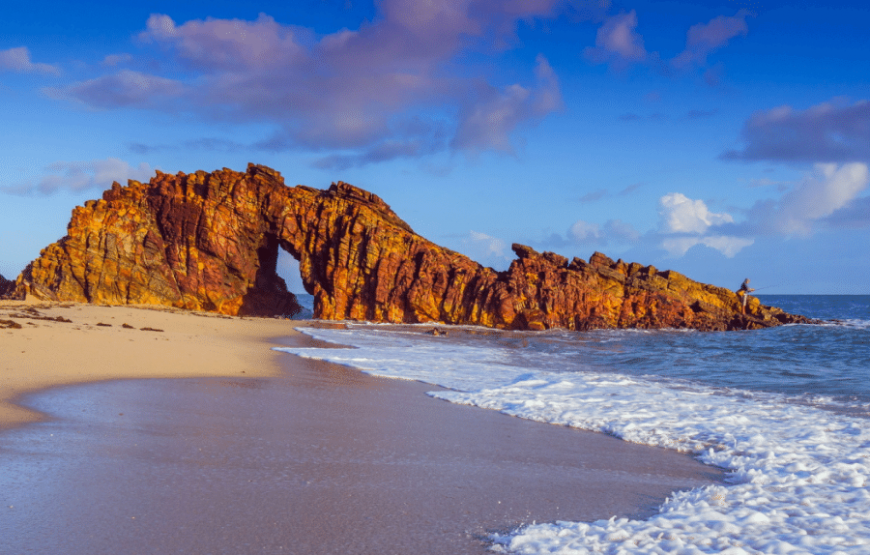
x,y
744,292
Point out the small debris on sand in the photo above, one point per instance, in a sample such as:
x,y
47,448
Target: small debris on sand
x,y
150,329
34,315
127,327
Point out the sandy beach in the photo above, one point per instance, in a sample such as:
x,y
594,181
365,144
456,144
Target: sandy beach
x,y
95,346
253,451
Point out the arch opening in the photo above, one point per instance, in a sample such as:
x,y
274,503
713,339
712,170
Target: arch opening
x,y
269,295
288,270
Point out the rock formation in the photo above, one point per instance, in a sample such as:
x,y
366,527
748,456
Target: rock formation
x,y
209,241
196,241
7,287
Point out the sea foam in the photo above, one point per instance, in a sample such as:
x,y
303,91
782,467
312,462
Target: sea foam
x,y
798,474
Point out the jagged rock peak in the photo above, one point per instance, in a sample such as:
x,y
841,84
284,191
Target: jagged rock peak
x,y
346,191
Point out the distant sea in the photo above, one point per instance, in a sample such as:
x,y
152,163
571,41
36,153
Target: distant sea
x,y
786,410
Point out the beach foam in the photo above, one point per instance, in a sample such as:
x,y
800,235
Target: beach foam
x,y
798,473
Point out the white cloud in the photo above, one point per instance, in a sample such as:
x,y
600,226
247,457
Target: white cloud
x,y
18,59
582,231
486,249
685,223
78,176
827,189
680,214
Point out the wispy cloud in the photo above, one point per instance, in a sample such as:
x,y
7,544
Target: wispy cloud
x,y
594,196
82,175
617,42
829,132
583,232
488,123
113,60
205,143
819,195
387,89
854,215
704,38
381,152
728,245
601,194
613,231
701,114
18,60
630,189
122,89
655,116
781,186
486,249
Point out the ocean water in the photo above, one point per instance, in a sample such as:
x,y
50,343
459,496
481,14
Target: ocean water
x,y
785,410
307,303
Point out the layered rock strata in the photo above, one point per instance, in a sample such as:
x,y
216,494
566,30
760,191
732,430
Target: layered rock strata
x,y
209,241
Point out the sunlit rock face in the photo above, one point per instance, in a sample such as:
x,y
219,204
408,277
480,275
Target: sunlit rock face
x,y
197,241
209,241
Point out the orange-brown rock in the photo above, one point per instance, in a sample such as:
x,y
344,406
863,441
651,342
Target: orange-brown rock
x,y
209,241
194,241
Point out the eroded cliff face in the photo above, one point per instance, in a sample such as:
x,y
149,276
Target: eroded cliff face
x,y
209,241
191,241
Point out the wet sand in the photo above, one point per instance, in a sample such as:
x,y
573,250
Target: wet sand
x,y
310,458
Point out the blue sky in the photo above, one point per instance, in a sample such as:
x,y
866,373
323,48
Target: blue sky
x,y
722,139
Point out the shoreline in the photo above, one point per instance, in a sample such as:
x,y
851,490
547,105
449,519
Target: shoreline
x,y
424,469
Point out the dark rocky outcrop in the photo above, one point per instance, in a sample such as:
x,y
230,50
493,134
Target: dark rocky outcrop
x,y
209,241
7,288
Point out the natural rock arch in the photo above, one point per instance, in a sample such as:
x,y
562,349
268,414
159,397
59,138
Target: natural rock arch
x,y
209,241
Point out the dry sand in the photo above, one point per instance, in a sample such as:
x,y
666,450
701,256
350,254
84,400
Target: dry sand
x,y
47,353
277,455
